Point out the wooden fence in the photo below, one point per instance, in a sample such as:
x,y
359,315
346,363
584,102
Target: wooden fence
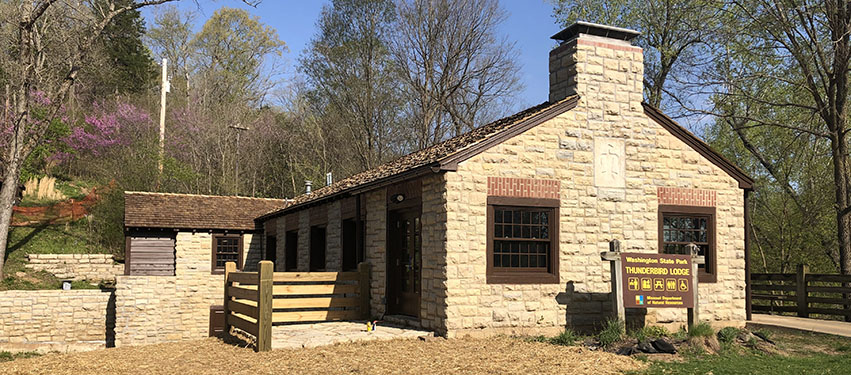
x,y
254,301
802,293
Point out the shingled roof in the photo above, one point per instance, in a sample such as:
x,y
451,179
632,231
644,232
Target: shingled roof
x,y
190,211
442,156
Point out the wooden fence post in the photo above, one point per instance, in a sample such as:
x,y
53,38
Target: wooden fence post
x,y
229,267
264,306
801,291
363,283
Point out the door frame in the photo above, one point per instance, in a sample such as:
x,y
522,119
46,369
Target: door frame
x,y
390,292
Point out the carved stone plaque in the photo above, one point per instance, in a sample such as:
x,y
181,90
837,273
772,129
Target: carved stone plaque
x,y
609,166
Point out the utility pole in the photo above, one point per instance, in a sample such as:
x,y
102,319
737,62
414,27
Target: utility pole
x,y
164,88
239,129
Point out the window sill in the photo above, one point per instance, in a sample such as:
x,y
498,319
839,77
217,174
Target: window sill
x,y
522,278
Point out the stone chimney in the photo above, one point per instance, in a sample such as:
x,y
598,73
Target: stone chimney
x,y
600,64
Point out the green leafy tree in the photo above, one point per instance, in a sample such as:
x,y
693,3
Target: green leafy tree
x,y
673,34
232,49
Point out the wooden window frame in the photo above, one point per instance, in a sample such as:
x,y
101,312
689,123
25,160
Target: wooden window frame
x,y
506,276
216,236
712,258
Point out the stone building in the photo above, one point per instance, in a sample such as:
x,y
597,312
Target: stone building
x,y
501,229
176,248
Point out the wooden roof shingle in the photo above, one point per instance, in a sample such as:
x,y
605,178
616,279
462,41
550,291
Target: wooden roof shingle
x,y
190,211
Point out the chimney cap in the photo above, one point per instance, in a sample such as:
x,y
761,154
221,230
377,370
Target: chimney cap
x,y
582,27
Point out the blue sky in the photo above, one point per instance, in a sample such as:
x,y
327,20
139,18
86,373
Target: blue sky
x,y
529,25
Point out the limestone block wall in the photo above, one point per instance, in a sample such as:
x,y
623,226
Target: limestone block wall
x,y
375,247
56,320
153,309
609,82
92,267
433,231
333,233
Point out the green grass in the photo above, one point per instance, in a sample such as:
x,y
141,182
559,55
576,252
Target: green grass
x,y
800,353
9,356
727,334
612,333
649,332
701,330
71,238
756,364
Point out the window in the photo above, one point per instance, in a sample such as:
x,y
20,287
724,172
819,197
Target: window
x,y
226,248
350,238
680,226
291,249
522,240
317,248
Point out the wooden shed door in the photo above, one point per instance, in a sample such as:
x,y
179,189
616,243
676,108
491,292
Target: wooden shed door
x,y
403,262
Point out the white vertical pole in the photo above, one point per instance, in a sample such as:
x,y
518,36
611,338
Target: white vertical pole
x,y
163,90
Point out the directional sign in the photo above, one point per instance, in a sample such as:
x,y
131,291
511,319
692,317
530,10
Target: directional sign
x,y
657,280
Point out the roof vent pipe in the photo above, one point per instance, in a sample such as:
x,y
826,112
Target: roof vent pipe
x,y
329,179
307,185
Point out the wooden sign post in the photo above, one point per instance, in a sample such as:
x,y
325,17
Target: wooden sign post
x,y
650,280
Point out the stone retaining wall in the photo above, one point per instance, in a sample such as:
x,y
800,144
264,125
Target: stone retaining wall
x,y
92,267
56,320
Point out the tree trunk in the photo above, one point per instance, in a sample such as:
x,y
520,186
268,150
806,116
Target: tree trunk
x,y
7,201
843,220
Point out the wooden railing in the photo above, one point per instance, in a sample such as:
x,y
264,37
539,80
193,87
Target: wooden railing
x,y
254,301
802,293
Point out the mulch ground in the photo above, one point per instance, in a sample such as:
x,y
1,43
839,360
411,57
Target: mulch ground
x,y
455,356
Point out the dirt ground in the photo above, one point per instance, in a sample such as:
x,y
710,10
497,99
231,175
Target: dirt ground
x,y
213,356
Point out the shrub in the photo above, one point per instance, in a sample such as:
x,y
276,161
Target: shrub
x,y
728,334
701,330
566,338
647,332
612,333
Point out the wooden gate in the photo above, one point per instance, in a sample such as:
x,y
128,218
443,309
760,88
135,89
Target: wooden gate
x,y
254,301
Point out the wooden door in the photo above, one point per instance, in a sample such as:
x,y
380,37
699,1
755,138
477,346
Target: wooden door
x,y
404,269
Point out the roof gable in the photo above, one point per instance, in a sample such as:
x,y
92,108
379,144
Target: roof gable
x,y
745,182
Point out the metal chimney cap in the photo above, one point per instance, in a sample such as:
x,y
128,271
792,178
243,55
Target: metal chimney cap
x,y
582,27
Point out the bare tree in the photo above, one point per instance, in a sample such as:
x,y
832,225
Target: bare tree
x,y
456,71
50,44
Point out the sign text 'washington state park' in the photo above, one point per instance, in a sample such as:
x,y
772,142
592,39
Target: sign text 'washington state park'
x,y
657,280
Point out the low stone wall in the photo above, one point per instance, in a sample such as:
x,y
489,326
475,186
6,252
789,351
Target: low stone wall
x,y
92,267
56,320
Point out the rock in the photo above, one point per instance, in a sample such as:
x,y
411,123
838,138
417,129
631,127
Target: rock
x,y
663,346
626,350
431,338
646,347
745,337
763,337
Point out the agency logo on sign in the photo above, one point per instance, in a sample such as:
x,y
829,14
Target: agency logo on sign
x,y
639,300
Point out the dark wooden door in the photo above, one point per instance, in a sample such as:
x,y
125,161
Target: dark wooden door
x,y
404,250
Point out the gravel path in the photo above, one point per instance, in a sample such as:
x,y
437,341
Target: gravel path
x,y
404,356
